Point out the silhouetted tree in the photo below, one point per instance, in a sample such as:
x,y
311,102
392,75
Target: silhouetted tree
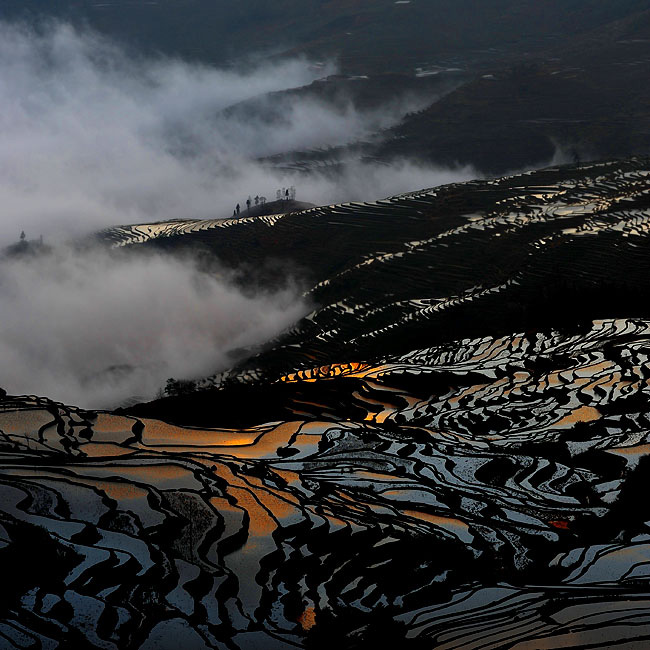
x,y
176,387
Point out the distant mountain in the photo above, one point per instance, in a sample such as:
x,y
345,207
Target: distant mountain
x,y
451,451
583,97
366,35
522,80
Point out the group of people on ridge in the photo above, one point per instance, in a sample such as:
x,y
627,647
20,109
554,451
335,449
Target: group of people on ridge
x,y
286,194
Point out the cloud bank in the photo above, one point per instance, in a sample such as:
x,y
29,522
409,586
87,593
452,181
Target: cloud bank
x,y
94,328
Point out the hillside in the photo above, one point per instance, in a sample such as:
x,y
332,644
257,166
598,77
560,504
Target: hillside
x,y
456,437
414,421
525,253
367,36
584,98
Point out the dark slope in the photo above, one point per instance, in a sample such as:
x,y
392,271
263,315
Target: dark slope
x,y
536,76
587,99
583,93
367,35
555,248
588,96
518,118
419,489
372,95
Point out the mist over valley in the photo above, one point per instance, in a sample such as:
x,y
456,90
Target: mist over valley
x,y
93,136
324,324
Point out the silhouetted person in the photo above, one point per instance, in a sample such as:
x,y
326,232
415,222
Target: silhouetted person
x,y
286,194
248,204
22,236
237,208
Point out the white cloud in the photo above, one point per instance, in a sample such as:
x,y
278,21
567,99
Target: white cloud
x,y
94,328
92,136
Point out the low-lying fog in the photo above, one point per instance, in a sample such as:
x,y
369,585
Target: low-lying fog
x,y
94,328
92,136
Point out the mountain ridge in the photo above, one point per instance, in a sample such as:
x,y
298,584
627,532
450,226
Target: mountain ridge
x,y
453,445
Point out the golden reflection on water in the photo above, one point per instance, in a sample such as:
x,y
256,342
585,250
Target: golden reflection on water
x,y
24,423
352,369
307,619
582,414
264,508
117,490
158,433
637,450
436,520
105,450
107,426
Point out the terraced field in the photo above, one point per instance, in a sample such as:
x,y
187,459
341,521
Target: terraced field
x,y
450,451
